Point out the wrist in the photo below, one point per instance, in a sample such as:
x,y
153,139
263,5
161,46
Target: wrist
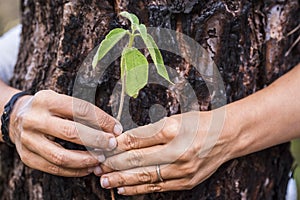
x,y
248,129
6,117
233,133
18,108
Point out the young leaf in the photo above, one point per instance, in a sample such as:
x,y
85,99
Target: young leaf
x,y
109,42
136,69
154,53
131,17
143,31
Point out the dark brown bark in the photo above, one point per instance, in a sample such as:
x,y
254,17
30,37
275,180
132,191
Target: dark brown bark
x,y
247,40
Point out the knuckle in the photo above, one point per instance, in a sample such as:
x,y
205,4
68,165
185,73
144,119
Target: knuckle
x,y
145,177
25,158
135,159
41,97
58,159
131,141
189,169
83,109
77,173
70,131
189,184
110,164
134,190
24,139
189,153
170,129
55,170
121,180
185,158
26,120
153,188
104,120
89,162
102,141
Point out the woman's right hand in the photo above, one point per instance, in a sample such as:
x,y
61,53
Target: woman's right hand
x,y
37,120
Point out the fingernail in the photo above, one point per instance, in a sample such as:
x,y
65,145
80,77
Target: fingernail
x,y
101,158
118,129
121,190
97,171
104,183
112,143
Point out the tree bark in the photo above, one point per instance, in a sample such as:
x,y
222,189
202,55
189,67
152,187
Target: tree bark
x,y
248,40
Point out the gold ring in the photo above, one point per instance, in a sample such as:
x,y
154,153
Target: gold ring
x,y
158,173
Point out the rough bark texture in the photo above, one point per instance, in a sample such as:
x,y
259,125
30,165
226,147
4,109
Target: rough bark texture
x,y
247,40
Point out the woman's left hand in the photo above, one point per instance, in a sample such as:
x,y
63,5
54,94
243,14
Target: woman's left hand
x,y
185,149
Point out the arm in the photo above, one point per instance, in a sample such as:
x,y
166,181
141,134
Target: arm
x,y
6,93
181,144
269,117
36,120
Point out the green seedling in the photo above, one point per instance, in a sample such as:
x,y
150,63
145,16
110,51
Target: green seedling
x,y
134,65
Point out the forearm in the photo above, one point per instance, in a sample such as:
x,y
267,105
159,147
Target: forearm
x,y
6,93
266,118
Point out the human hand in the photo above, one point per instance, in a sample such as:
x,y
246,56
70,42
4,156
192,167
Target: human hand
x,y
186,147
37,120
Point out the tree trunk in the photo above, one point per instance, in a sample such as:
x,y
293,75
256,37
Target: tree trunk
x,y
248,40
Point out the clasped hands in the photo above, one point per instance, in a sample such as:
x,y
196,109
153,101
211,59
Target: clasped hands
x,y
175,153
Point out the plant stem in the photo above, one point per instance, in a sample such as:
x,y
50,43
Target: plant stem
x,y
112,194
122,97
131,40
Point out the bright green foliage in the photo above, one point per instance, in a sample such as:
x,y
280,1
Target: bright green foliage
x,y
108,43
132,18
134,65
154,52
158,60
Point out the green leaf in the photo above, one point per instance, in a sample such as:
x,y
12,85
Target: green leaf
x,y
131,17
108,43
136,71
151,48
143,30
155,55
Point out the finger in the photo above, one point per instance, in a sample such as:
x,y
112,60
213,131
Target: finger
x,y
35,161
154,134
182,128
91,115
186,183
177,150
58,155
140,176
80,110
138,158
169,185
79,134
